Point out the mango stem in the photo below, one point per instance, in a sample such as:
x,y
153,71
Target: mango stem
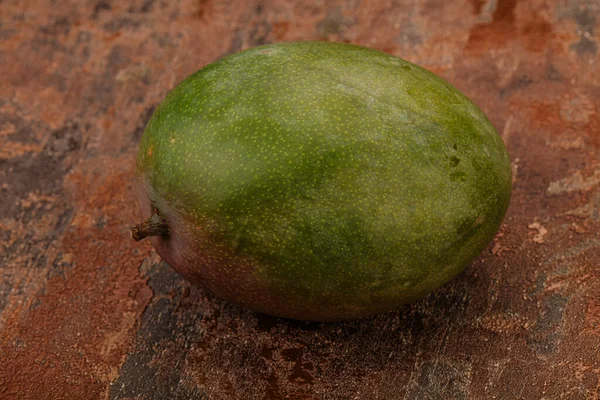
x,y
153,226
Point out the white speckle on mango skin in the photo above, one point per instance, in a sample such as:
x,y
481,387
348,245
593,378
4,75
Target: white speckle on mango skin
x,y
351,181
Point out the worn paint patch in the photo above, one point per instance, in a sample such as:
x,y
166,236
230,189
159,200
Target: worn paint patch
x,y
577,182
547,332
160,327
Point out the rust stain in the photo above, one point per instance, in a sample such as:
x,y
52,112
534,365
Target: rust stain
x,y
496,33
280,29
505,11
204,11
536,35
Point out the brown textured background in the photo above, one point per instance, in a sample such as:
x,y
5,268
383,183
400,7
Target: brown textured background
x,y
86,313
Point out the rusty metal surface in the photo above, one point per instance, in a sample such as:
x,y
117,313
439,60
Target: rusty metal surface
x,y
86,313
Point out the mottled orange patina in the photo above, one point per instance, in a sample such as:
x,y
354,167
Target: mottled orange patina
x,y
86,313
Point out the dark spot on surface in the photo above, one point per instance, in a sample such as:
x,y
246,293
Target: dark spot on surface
x,y
33,243
102,5
585,19
406,67
585,46
163,279
241,244
64,140
266,323
477,6
35,304
300,369
42,172
454,161
101,95
291,354
121,23
272,391
7,33
146,6
63,220
300,372
6,285
237,42
162,39
334,23
117,59
59,267
101,222
83,45
144,118
204,9
303,325
505,10
60,26
520,82
267,353
586,22
409,34
547,332
24,130
553,74
259,34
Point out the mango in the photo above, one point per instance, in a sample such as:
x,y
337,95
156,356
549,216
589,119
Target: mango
x,y
320,181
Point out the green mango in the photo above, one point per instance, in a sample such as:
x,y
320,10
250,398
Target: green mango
x,y
320,181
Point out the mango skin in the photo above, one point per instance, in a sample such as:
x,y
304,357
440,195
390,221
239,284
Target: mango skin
x,y
321,181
